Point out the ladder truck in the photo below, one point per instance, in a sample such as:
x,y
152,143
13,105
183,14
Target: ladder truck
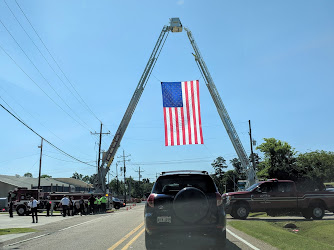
x,y
174,26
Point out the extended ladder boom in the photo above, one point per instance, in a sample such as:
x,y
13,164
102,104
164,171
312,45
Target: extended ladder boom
x,y
232,133
110,154
175,26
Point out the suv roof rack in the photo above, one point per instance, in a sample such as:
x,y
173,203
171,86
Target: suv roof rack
x,y
185,171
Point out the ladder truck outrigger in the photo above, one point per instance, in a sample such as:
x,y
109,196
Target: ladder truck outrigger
x,y
174,26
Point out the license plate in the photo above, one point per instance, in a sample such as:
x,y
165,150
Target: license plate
x,y
164,219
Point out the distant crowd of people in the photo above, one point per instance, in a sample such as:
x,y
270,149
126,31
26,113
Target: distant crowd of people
x,y
95,205
67,205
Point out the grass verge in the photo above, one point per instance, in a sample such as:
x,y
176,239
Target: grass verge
x,y
310,234
16,230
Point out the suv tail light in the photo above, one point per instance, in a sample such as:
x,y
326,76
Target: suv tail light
x,y
150,200
219,199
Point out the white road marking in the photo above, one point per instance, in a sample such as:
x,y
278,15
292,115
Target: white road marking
x,y
39,236
242,240
36,237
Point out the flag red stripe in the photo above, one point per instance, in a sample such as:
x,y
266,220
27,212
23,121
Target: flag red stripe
x,y
194,110
183,129
171,127
166,132
188,113
199,114
177,126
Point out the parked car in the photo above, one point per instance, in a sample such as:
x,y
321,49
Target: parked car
x,y
117,203
184,203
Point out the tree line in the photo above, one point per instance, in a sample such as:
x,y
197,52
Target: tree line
x,y
280,160
134,188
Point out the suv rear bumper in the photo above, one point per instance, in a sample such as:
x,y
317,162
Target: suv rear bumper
x,y
152,227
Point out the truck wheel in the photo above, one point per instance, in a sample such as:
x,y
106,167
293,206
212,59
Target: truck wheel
x,y
317,211
233,214
306,213
241,211
21,210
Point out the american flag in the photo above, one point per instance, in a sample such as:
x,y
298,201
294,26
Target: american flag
x,y
182,114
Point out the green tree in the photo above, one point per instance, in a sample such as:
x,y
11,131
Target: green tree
x,y
219,165
46,176
316,168
77,176
239,172
279,159
231,179
27,174
87,179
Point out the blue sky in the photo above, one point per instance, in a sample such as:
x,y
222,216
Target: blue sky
x,y
272,63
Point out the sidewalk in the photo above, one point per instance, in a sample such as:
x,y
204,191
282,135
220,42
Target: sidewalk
x,y
25,222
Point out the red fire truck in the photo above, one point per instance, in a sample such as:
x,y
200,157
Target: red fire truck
x,y
21,198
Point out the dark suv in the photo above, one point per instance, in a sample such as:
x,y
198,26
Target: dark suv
x,y
184,204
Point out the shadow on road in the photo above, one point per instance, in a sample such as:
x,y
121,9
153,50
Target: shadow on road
x,y
199,243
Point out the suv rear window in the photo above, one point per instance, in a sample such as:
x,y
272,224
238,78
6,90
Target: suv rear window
x,y
174,183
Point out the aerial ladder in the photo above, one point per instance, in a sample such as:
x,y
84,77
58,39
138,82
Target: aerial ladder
x,y
174,26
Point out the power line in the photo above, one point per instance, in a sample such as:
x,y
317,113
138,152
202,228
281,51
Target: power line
x,y
44,138
18,158
85,104
81,102
10,107
27,112
58,158
44,78
40,87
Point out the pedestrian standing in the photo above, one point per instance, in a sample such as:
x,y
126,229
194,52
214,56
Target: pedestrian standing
x,y
33,206
10,209
82,206
104,201
70,207
98,201
48,207
91,201
64,203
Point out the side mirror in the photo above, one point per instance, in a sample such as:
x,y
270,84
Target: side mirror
x,y
258,190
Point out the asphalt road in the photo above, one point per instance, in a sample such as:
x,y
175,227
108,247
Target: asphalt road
x,y
123,229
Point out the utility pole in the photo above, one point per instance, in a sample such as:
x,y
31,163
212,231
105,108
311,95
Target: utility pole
x,y
124,169
251,144
139,174
40,165
117,190
100,142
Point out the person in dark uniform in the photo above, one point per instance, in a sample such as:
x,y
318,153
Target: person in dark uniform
x,y
11,209
48,206
82,206
91,203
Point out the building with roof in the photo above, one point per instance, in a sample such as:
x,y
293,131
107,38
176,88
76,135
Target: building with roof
x,y
8,183
80,186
